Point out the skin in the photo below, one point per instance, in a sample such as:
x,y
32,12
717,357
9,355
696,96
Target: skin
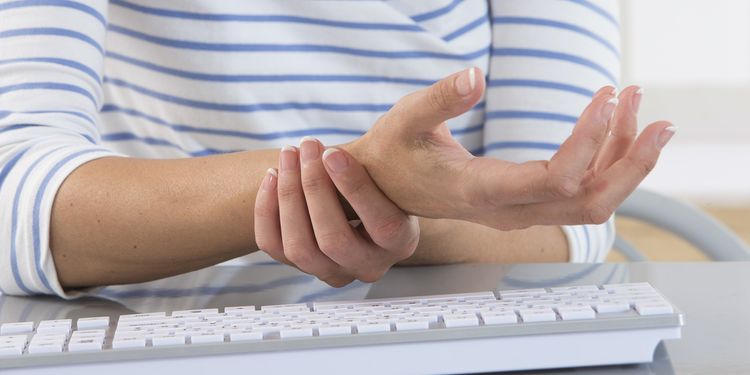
x,y
304,224
124,220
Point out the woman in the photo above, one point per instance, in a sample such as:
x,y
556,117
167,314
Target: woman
x,y
110,112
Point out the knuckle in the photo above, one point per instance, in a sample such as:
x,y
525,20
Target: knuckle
x,y
397,111
563,186
371,275
267,243
313,184
355,190
596,213
645,166
334,242
297,253
264,210
288,191
594,140
410,245
624,133
390,228
338,281
439,97
263,244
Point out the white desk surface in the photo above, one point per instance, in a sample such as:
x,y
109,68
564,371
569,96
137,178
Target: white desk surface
x,y
715,298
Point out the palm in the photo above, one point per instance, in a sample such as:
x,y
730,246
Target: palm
x,y
415,161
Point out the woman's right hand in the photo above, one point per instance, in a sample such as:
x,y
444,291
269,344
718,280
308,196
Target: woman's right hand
x,y
300,220
415,161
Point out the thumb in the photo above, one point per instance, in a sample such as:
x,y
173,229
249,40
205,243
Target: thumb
x,y
426,109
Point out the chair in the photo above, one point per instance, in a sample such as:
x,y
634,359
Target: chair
x,y
684,220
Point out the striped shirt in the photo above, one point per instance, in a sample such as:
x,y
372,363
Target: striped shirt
x,y
164,79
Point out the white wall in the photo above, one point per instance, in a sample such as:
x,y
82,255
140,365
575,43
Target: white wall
x,y
693,59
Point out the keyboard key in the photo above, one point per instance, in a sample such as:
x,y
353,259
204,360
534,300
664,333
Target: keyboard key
x,y
521,293
86,344
590,288
14,339
370,327
142,316
460,320
286,308
537,315
93,323
499,317
267,328
7,350
576,312
168,340
246,335
204,338
55,326
89,333
431,317
412,324
129,342
15,328
46,347
654,308
241,310
332,330
200,312
295,332
50,337
611,307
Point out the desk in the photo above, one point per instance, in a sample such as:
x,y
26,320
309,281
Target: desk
x,y
715,298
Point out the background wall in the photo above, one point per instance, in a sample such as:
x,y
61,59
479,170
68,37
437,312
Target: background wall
x,y
693,59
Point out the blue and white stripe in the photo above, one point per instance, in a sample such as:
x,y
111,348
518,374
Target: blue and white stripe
x,y
81,80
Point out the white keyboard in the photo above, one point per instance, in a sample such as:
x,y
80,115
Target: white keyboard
x,y
472,332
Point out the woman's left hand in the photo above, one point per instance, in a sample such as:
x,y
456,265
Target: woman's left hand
x,y
299,219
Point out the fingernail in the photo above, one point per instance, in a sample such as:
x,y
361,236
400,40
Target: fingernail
x,y
466,82
609,108
308,149
335,160
666,135
288,158
269,182
610,91
637,100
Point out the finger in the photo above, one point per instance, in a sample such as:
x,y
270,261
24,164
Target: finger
x,y
267,227
610,189
624,129
296,231
388,226
423,110
568,166
605,90
333,233
496,182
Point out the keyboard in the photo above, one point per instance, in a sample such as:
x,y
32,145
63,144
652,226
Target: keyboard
x,y
569,326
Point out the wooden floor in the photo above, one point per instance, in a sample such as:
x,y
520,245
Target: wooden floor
x,y
658,245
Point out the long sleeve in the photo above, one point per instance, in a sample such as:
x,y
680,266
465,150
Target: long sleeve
x,y
547,60
51,55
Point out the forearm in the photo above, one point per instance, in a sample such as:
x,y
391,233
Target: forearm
x,y
446,241
123,220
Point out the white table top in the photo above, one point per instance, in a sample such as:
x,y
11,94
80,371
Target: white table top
x,y
714,297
